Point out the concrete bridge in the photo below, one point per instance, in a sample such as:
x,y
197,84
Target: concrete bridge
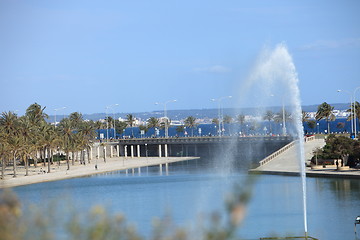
x,y
254,148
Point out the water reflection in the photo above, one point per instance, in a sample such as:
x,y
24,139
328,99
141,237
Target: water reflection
x,y
342,189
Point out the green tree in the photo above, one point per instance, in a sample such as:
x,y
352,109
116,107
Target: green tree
x,y
311,124
9,123
4,151
338,147
241,120
269,116
325,111
27,133
215,121
153,122
120,126
180,129
227,119
305,116
76,120
356,107
130,120
190,122
143,128
36,113
67,133
87,132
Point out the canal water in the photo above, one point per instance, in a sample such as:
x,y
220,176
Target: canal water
x,y
192,191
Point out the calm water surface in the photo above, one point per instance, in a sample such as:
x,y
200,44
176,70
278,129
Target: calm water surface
x,y
192,191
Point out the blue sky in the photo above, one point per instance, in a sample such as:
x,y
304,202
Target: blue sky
x,y
86,55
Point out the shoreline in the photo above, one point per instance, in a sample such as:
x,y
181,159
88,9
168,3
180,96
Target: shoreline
x,y
328,173
61,173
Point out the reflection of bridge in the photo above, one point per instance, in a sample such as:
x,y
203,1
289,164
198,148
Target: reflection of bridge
x,y
254,148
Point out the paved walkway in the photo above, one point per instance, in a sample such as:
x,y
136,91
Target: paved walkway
x,y
287,163
60,172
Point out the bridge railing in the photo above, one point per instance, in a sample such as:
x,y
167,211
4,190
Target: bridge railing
x,y
277,153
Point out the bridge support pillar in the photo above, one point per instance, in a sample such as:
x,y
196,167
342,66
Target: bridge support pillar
x,y
166,150
125,151
138,150
160,168
98,152
118,150
159,150
111,151
132,151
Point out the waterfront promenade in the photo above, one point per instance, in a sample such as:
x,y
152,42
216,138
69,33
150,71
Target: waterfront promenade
x,y
286,163
61,172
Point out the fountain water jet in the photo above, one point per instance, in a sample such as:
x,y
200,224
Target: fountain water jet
x,y
275,72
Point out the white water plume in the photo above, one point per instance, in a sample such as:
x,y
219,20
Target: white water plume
x,y
274,78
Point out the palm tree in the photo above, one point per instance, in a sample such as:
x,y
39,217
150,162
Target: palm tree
x,y
279,118
4,151
67,133
76,120
269,116
130,120
227,119
180,129
191,123
28,145
120,126
215,121
99,125
241,119
9,123
88,134
356,109
153,122
311,124
36,113
325,111
305,116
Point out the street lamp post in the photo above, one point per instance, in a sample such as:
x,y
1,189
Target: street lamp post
x,y
283,118
317,124
355,112
165,116
107,122
220,113
351,110
112,107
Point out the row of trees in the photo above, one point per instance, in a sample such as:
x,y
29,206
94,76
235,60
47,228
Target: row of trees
x,y
325,111
30,137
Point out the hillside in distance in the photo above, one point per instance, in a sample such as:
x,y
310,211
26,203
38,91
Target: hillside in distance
x,y
199,113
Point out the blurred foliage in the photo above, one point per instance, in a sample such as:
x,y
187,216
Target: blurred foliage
x,y
46,223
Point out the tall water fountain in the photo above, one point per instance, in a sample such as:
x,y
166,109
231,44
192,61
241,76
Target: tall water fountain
x,y
274,80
